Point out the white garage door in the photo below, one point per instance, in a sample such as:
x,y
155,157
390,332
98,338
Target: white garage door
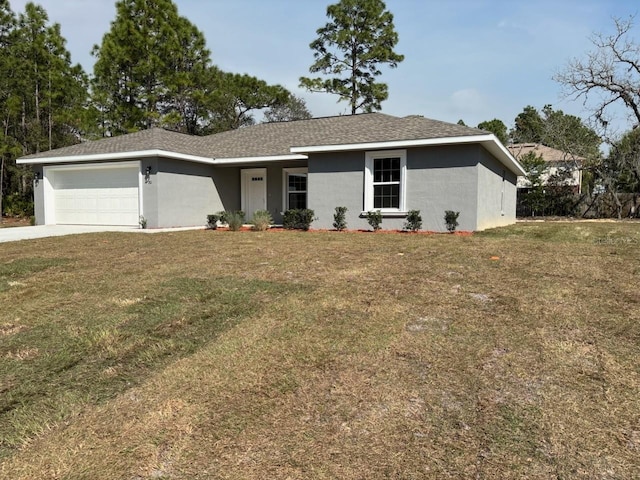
x,y
96,196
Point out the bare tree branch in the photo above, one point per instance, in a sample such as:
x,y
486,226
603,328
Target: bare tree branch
x,y
608,75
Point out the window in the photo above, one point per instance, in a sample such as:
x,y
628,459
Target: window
x,y
295,191
385,181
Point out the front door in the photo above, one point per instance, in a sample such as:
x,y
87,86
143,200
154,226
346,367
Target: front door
x,y
254,191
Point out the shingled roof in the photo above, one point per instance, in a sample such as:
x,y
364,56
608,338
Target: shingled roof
x,y
271,139
548,154
145,140
279,139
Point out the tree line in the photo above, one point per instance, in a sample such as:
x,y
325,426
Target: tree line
x,y
606,77
152,69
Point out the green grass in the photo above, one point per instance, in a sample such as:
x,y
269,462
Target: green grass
x,y
508,354
12,272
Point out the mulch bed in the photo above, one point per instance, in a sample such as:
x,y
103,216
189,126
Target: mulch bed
x,y
14,222
460,233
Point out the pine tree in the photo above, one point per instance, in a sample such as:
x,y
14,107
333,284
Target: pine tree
x,y
42,96
149,69
350,49
236,96
7,145
497,127
294,109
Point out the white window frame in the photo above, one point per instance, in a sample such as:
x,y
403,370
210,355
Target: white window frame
x,y
369,183
285,184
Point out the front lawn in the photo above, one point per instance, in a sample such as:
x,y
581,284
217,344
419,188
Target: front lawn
x,y
207,354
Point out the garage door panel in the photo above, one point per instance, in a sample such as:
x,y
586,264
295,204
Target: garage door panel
x,y
101,196
98,178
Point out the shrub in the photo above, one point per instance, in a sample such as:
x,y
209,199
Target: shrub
x,y
374,219
451,219
15,205
212,220
143,222
298,219
414,221
235,220
261,220
339,218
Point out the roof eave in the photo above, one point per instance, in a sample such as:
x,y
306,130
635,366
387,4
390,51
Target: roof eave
x,y
258,159
504,155
489,141
116,156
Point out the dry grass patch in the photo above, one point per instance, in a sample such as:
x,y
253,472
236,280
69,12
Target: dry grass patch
x,y
321,355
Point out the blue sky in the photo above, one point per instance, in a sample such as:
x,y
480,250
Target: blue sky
x,y
464,59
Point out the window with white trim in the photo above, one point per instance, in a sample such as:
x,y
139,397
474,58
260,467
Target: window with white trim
x,y
385,181
295,188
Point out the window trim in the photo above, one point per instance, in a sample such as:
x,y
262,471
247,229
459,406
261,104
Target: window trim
x,y
369,183
285,184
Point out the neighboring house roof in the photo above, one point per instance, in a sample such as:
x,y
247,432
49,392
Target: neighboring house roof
x,y
548,154
283,140
556,159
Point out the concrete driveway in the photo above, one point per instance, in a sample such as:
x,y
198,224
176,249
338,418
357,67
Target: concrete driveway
x,y
14,234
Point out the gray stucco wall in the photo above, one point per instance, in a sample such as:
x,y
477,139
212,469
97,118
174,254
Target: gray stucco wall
x,y
38,196
443,178
337,179
150,192
185,193
496,193
228,181
181,193
464,178
438,179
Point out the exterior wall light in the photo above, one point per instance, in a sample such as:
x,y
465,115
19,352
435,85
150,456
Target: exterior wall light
x,y
37,176
147,175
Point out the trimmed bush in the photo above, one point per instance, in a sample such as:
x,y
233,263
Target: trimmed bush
x,y
339,219
375,219
212,221
451,219
297,219
261,220
414,221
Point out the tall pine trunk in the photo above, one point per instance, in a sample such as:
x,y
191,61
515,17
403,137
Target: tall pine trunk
x,y
50,119
37,102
